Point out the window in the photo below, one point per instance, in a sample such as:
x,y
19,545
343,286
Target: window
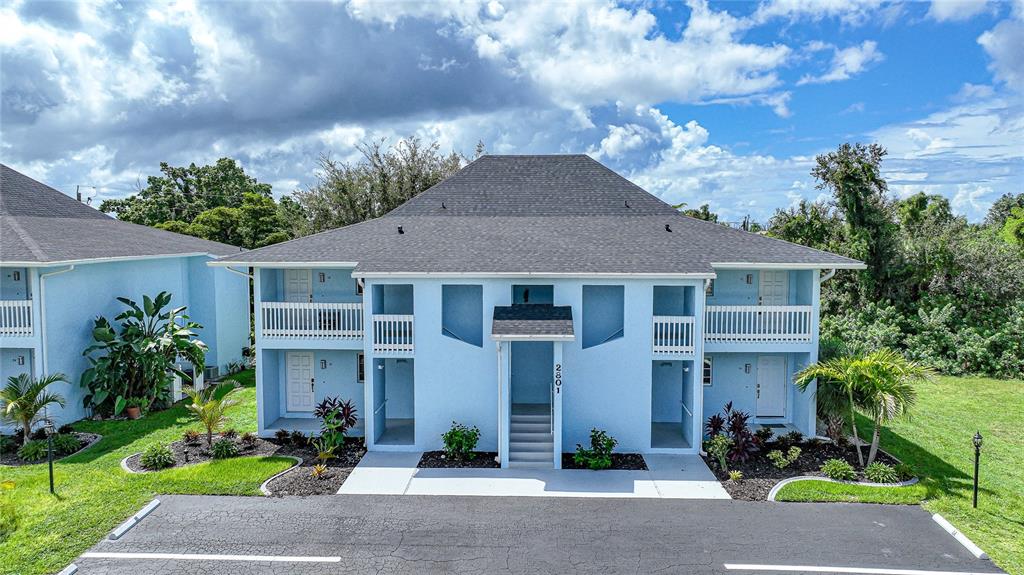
x,y
710,291
462,313
603,314
706,374
360,368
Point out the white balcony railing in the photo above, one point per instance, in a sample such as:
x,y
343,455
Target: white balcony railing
x,y
317,320
758,323
673,334
392,333
16,317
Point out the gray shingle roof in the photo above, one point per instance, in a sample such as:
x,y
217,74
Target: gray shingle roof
x,y
41,225
532,321
538,215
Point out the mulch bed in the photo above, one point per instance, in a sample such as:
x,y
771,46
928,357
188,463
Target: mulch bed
x,y
11,457
438,459
627,461
296,481
760,475
299,479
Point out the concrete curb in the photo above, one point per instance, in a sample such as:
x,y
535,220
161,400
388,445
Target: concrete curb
x,y
133,520
778,486
263,486
967,543
124,464
69,570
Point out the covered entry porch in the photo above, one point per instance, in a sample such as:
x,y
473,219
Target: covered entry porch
x,y
528,340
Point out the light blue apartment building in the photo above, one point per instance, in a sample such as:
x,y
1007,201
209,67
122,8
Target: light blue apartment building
x,y
63,263
536,297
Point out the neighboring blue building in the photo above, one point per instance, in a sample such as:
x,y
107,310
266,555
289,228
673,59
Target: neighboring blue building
x,y
536,297
63,263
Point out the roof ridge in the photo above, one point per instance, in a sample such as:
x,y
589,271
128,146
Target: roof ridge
x,y
27,239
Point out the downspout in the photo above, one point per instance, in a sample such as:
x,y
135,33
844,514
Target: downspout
x,y
828,275
42,315
500,397
243,274
42,324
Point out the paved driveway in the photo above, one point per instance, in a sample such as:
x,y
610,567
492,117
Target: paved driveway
x,y
440,534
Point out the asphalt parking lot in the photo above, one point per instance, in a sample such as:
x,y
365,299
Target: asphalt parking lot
x,y
437,534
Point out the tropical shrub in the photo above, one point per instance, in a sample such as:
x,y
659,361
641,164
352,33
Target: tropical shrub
x,y
736,475
839,470
762,436
460,441
599,455
879,472
65,429
336,418
719,447
783,461
714,426
324,449
905,472
230,433
210,406
8,512
190,436
34,450
282,435
298,438
65,443
224,449
7,443
157,456
249,439
23,400
136,359
318,471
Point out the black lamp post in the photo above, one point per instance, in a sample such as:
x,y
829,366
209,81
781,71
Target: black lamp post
x,y
49,450
977,458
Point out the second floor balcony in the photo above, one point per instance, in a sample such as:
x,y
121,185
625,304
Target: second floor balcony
x,y
758,323
314,320
16,318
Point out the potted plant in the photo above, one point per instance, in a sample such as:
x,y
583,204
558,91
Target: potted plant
x,y
133,407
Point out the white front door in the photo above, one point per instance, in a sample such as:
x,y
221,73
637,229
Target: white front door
x,y
771,386
300,380
773,288
298,285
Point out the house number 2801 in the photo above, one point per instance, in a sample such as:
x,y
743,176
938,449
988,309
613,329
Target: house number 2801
x,y
558,378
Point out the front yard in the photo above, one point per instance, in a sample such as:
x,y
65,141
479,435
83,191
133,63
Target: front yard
x,y
936,443
94,494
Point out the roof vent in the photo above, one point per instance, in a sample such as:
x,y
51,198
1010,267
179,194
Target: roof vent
x,y
443,207
401,231
626,202
667,228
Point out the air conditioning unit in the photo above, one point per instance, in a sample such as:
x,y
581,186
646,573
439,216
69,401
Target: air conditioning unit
x,y
211,372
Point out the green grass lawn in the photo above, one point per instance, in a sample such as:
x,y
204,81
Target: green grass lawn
x,y
94,494
936,442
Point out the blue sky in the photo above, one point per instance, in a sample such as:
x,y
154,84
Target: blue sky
x,y
719,103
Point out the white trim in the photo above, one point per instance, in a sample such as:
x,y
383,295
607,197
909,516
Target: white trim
x,y
281,265
132,521
960,537
862,570
210,557
593,275
106,260
243,274
793,266
513,337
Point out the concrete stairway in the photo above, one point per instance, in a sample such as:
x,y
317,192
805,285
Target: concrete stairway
x,y
530,442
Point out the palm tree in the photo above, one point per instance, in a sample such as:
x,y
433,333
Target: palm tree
x,y
879,383
24,398
210,407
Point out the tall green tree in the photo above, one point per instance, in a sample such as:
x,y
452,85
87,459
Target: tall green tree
x,y
182,193
386,177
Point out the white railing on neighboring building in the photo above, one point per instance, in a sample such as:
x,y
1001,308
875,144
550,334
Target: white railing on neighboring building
x,y
177,386
16,317
758,323
673,334
317,320
392,333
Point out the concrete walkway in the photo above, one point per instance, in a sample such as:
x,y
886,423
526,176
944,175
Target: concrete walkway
x,y
668,477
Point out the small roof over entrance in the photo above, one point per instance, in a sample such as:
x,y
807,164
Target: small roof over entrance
x,y
542,322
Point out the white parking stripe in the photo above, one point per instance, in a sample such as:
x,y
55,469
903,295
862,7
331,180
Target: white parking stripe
x,y
864,570
212,557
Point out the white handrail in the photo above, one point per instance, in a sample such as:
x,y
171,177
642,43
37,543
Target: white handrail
x,y
758,323
673,334
16,317
393,333
316,320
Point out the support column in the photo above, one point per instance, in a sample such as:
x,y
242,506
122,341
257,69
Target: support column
x,y
556,405
502,427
